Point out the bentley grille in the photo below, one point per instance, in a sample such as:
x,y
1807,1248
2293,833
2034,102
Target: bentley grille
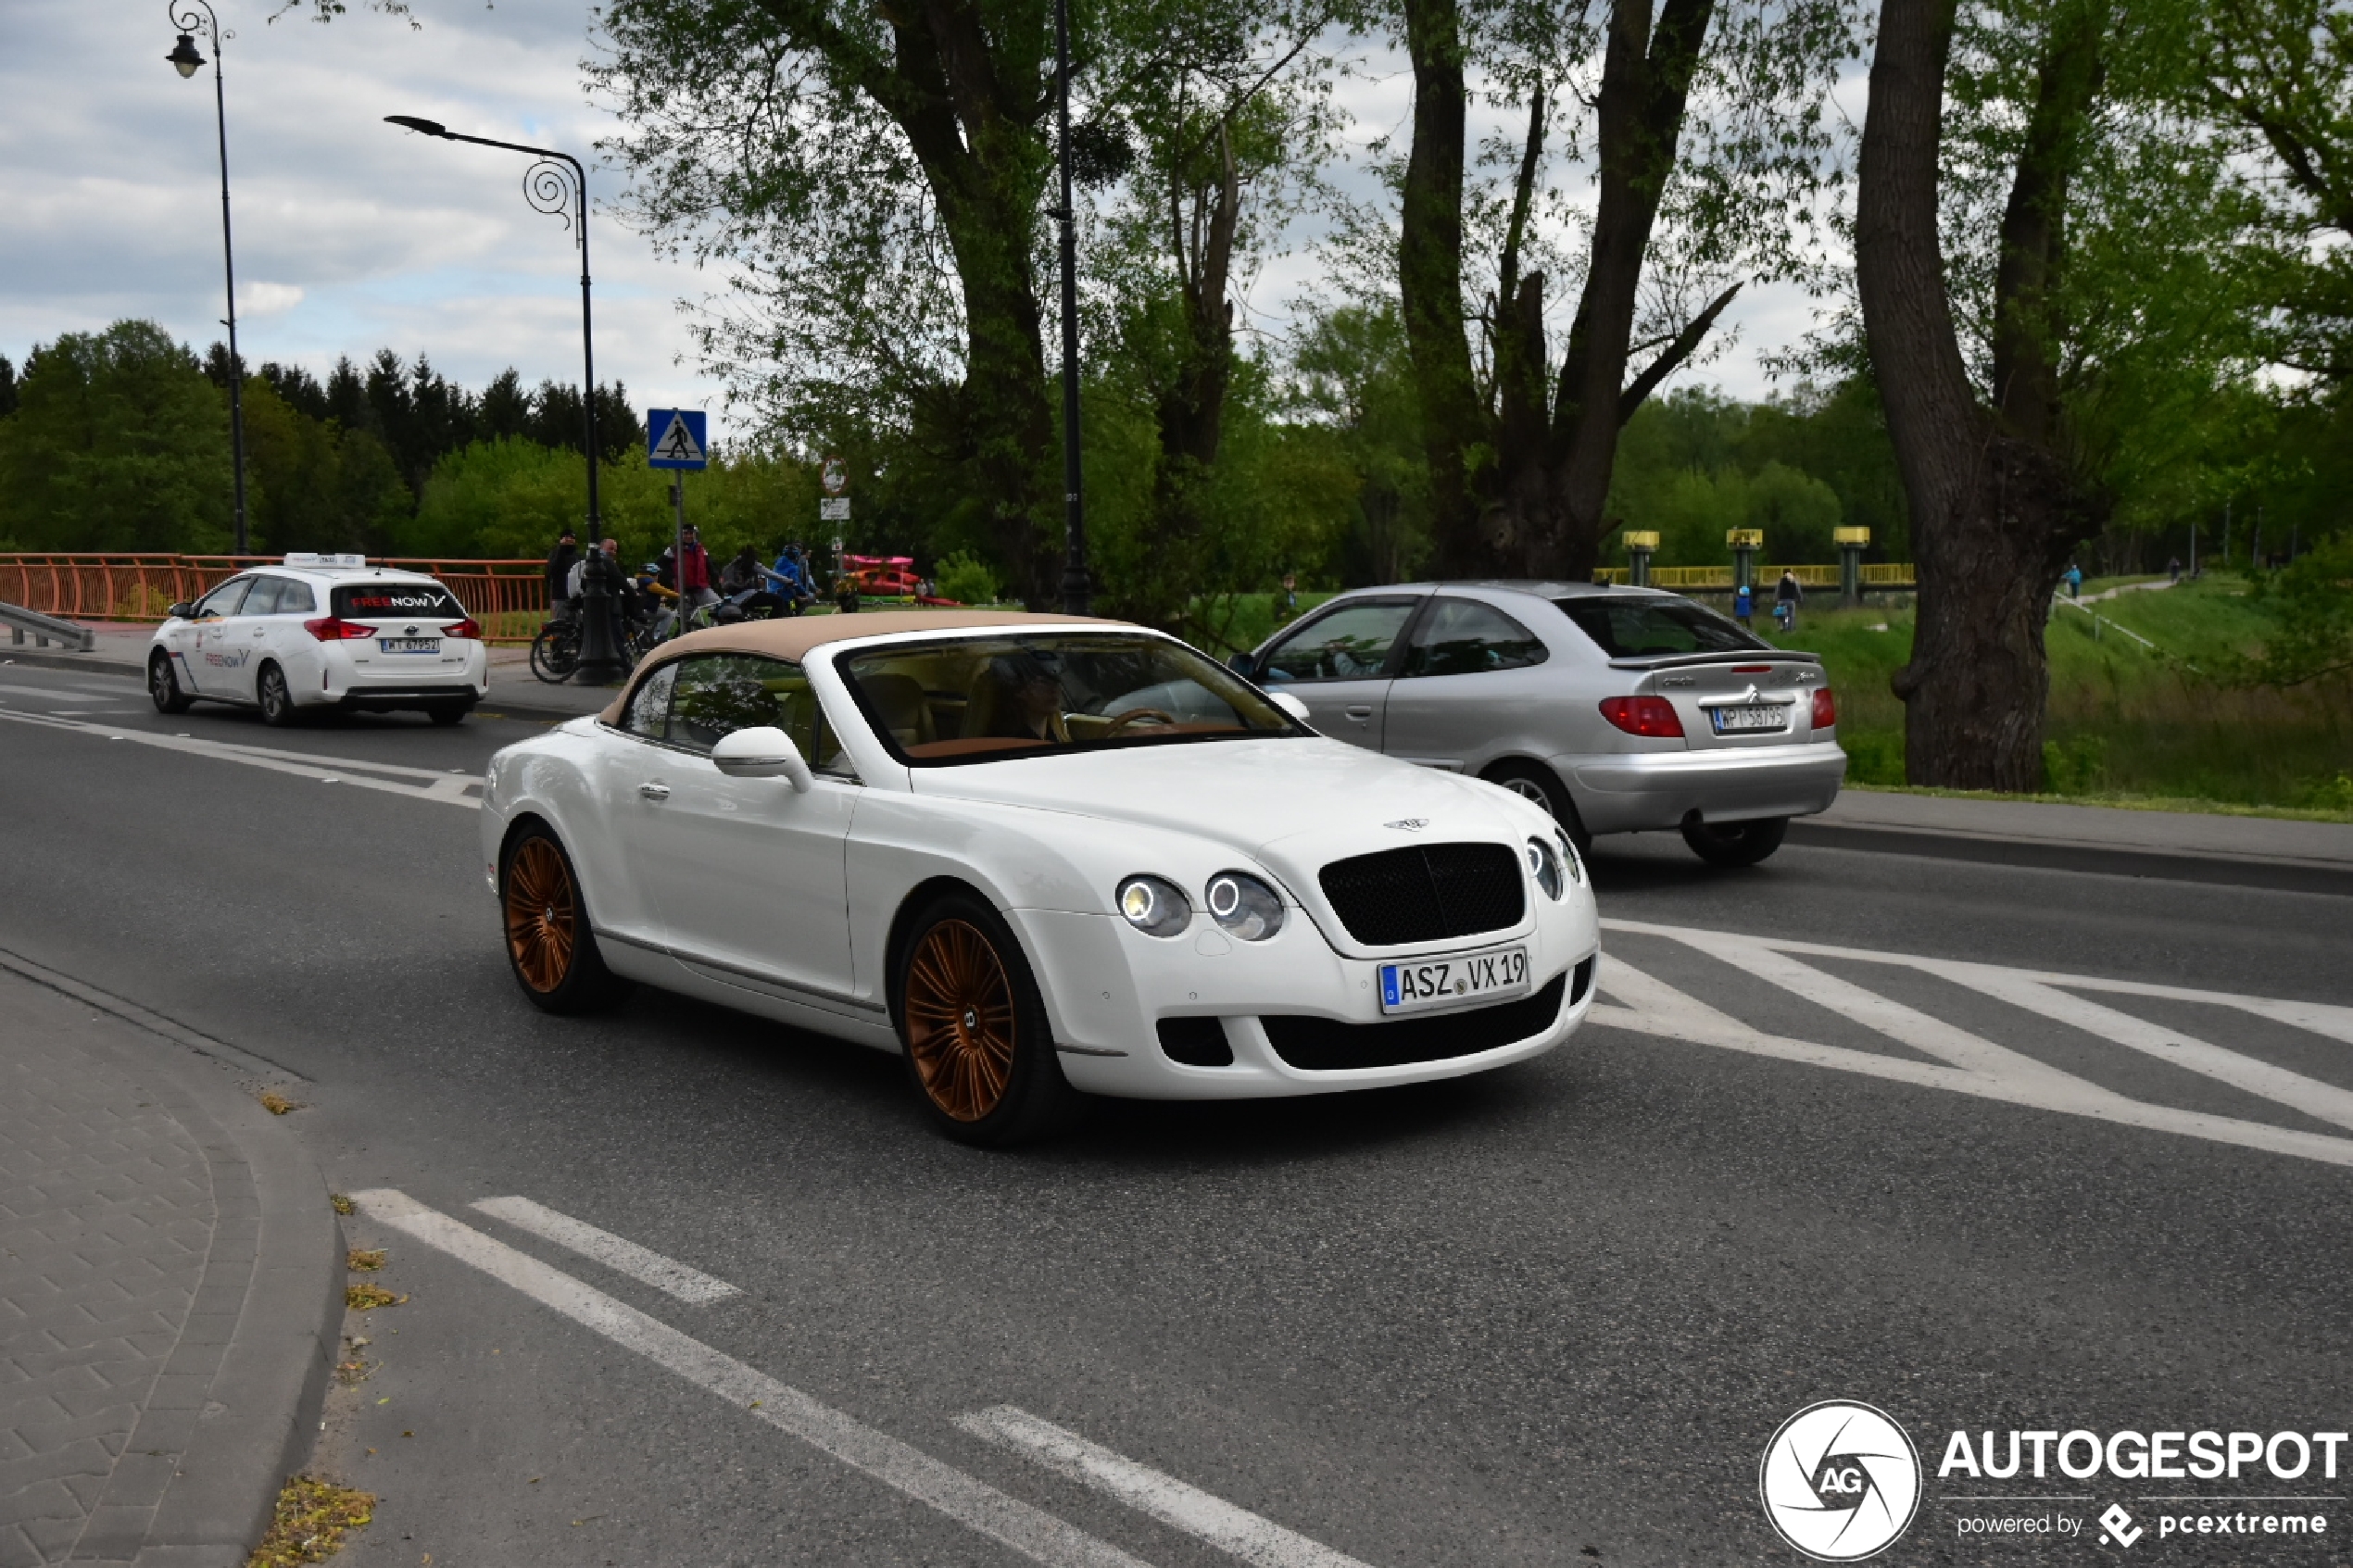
x,y
1426,893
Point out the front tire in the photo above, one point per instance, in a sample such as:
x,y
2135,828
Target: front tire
x,y
1540,784
163,686
276,698
979,1051
1735,844
550,946
555,653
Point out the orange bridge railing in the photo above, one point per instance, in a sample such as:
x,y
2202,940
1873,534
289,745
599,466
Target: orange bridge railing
x,y
510,597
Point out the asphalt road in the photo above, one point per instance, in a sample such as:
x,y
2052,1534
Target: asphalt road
x,y
1553,1314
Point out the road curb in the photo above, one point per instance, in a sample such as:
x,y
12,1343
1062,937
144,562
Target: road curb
x,y
2287,876
237,1407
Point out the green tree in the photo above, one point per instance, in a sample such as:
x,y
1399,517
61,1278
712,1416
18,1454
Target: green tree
x,y
315,485
118,443
1352,376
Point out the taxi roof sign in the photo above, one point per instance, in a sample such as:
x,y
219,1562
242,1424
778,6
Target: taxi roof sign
x,y
312,557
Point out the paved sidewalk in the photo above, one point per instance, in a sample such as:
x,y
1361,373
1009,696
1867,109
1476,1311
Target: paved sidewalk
x,y
2188,845
169,1294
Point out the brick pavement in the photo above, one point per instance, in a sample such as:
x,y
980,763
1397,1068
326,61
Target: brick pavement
x,y
168,1274
106,1217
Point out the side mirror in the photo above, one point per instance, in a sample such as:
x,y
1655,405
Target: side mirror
x,y
1290,705
1245,665
180,611
763,753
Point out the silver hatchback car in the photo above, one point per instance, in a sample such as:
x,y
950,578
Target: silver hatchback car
x,y
1618,709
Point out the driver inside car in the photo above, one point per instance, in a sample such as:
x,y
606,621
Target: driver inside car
x,y
1028,703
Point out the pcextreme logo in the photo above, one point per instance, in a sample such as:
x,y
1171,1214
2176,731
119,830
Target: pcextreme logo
x,y
1840,1481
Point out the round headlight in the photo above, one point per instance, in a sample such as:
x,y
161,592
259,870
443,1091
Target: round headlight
x,y
1155,906
1544,865
1244,906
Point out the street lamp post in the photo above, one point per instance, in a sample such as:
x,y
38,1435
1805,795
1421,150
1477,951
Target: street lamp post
x,y
189,17
1077,596
558,185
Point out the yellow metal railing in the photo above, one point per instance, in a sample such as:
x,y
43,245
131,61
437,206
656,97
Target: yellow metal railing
x,y
1891,574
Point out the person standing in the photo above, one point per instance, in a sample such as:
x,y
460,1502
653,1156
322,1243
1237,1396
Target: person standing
x,y
1787,596
2174,568
561,561
2074,580
1287,602
1743,603
689,572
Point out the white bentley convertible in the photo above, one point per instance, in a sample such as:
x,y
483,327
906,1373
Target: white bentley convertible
x,y
1034,855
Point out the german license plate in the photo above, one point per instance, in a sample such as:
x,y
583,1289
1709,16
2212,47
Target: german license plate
x,y
410,645
1750,718
1496,973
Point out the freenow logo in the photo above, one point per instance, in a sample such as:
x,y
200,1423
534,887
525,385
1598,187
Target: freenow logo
x,y
1840,1481
2117,1525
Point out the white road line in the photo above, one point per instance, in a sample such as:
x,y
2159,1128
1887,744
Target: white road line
x,y
618,1253
1033,1532
1652,1006
449,788
1258,1541
2040,993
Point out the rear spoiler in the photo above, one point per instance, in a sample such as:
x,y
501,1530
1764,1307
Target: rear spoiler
x,y
1683,660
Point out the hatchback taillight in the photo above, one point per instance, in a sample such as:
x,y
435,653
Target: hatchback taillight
x,y
1653,716
1825,709
327,629
466,629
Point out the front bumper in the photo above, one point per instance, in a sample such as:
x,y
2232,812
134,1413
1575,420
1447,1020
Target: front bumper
x,y
1108,986
1629,792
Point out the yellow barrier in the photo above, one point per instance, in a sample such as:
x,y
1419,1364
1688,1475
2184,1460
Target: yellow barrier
x,y
1891,574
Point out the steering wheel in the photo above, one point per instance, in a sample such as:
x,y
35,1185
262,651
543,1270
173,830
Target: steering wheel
x,y
1122,720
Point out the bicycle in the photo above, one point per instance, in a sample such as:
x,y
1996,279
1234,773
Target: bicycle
x,y
555,652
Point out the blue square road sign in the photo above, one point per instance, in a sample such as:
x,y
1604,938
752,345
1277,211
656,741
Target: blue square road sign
x,y
674,439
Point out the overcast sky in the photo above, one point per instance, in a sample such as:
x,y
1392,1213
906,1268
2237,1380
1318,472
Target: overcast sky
x,y
352,235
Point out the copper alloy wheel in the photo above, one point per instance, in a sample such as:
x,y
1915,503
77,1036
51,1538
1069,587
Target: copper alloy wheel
x,y
543,918
960,1020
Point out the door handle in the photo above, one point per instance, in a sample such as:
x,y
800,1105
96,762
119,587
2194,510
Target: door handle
x,y
1359,714
654,791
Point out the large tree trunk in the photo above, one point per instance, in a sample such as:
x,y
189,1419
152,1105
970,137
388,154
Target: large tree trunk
x,y
968,91
1520,483
1995,507
1429,280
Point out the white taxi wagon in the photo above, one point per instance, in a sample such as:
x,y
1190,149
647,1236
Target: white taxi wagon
x,y
321,634
1033,855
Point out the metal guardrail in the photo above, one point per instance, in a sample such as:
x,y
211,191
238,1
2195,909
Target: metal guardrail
x,y
510,597
46,629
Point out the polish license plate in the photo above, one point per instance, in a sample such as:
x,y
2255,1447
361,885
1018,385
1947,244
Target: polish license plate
x,y
410,645
1488,976
1750,718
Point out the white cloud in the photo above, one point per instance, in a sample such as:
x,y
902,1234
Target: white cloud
x,y
268,299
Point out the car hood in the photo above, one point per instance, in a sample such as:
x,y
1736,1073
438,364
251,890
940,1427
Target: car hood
x,y
1288,799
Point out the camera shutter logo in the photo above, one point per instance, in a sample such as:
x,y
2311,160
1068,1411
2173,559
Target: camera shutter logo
x,y
1840,1481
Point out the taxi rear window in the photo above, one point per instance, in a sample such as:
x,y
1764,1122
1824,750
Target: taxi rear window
x,y
363,601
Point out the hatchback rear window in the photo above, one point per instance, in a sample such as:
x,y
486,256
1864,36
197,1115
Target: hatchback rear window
x,y
1631,628
368,601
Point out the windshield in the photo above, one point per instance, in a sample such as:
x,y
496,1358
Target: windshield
x,y
977,699
1631,628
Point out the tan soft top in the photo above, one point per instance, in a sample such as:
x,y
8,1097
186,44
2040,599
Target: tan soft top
x,y
793,637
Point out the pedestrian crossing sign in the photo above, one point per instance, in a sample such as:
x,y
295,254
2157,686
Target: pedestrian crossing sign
x,y
675,438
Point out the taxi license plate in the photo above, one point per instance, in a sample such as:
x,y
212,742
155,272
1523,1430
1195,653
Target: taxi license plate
x,y
410,645
1496,973
1750,718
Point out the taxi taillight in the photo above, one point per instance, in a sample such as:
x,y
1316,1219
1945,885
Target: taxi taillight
x,y
327,629
466,629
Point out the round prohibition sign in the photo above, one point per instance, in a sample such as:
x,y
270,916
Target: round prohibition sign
x,y
1840,1481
